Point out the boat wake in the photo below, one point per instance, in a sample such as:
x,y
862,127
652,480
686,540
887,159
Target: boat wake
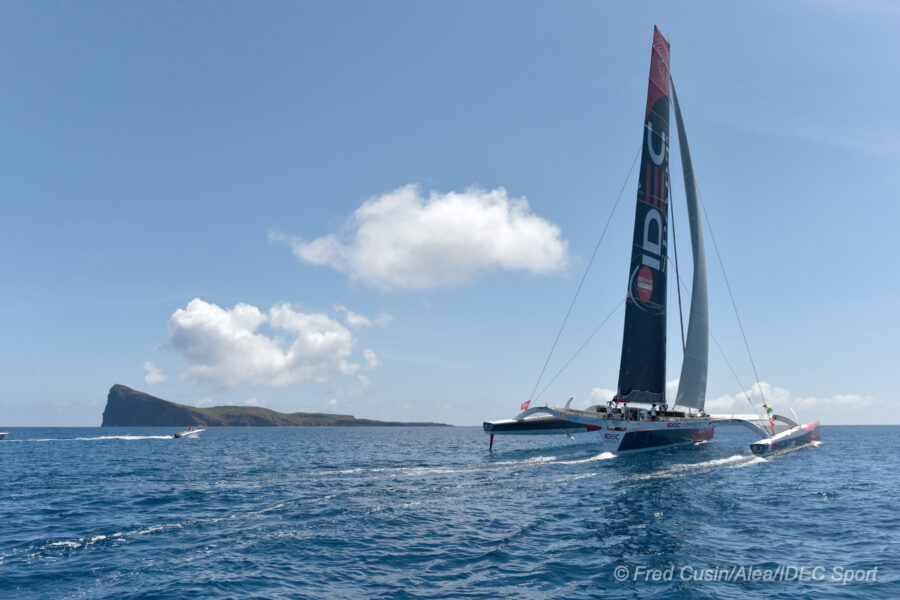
x,y
414,471
96,438
532,460
440,469
731,462
792,449
601,456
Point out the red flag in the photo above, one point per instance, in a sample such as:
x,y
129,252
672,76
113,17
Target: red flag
x,y
525,404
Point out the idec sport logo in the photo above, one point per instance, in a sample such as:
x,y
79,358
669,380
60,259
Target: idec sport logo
x,y
645,284
648,267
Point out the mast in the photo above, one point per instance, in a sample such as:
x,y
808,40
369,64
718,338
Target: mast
x,y
642,372
692,384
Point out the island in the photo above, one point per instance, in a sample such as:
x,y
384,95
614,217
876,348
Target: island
x,y
126,407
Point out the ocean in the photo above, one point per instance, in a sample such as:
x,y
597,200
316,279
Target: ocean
x,y
424,512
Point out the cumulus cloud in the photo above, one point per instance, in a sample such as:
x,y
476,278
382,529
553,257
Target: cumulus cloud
x,y
251,402
781,400
204,402
407,240
601,395
226,347
672,389
351,318
357,320
371,359
153,374
838,408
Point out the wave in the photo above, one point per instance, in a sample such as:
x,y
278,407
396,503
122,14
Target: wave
x,y
532,460
54,548
576,477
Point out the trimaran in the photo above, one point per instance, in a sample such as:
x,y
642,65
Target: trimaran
x,y
638,418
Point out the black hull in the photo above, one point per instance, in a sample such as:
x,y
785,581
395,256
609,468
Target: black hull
x,y
636,441
539,426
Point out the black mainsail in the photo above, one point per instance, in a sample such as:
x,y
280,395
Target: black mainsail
x,y
642,373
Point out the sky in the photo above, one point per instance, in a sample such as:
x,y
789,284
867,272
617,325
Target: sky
x,y
384,209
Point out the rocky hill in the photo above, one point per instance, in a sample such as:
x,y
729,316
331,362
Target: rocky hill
x,y
126,407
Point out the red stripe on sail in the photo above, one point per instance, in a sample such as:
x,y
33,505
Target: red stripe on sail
x,y
655,184
659,70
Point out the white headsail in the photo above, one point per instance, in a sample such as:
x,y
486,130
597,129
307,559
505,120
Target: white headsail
x,y
692,385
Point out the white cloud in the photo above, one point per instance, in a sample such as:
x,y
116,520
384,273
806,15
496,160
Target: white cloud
x,y
251,402
601,395
672,390
371,358
353,319
781,401
403,239
364,380
333,402
837,409
153,374
204,402
224,347
357,320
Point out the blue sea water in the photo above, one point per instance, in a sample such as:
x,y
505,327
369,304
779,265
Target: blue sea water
x,y
430,513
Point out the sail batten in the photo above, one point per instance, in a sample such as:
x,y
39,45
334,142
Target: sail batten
x,y
642,372
692,383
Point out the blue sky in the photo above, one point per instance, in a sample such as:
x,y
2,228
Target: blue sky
x,y
384,209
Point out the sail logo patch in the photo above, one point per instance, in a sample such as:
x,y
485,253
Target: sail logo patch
x,y
645,283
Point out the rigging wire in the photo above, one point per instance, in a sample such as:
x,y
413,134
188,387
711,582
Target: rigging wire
x,y
590,337
736,378
583,277
753,407
731,295
733,304
728,285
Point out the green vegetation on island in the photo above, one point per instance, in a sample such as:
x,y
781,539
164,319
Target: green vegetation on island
x,y
126,407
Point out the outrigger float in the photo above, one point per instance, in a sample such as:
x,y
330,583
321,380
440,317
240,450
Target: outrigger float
x,y
638,417
799,435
